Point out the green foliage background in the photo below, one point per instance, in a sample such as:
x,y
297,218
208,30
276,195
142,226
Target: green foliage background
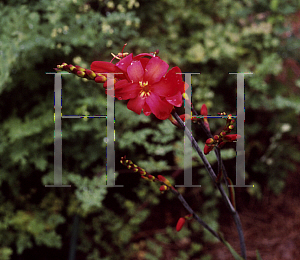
x,y
211,37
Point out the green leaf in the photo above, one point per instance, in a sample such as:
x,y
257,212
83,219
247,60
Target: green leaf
x,y
232,251
258,257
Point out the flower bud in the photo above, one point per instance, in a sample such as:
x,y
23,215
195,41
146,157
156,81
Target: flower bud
x,y
231,138
222,133
90,74
163,188
208,149
216,137
80,73
145,178
163,179
203,111
180,224
151,177
221,144
79,68
142,172
100,79
71,67
209,141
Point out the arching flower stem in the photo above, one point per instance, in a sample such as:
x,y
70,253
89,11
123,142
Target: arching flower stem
x,y
219,186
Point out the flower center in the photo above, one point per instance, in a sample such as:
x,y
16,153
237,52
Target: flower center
x,y
145,91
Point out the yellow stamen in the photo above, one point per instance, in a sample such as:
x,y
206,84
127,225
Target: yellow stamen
x,y
145,91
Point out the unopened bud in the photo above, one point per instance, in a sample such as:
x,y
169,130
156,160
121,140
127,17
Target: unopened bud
x,y
80,73
209,141
100,79
208,149
163,188
203,111
91,74
180,224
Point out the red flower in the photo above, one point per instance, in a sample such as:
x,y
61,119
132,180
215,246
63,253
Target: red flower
x,y
146,83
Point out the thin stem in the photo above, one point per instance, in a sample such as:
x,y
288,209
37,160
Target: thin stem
x,y
219,186
217,151
195,216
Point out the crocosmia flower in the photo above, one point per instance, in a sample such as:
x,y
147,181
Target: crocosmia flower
x,y
146,82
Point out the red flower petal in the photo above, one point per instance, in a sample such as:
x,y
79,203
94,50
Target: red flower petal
x,y
146,110
103,66
139,56
180,224
155,70
160,108
164,88
144,62
170,85
175,100
135,71
125,62
136,104
125,90
175,76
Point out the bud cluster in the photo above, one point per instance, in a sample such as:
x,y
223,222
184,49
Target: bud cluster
x,y
82,72
146,176
220,139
